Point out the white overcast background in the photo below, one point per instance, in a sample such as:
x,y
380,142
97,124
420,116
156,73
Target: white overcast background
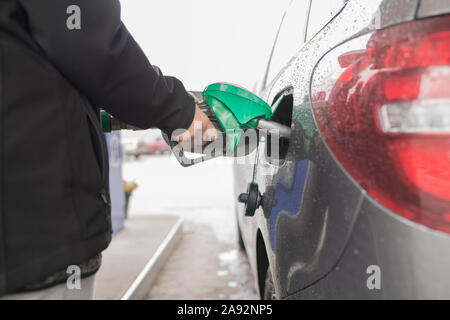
x,y
205,41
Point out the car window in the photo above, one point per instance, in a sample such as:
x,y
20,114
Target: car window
x,y
290,37
322,12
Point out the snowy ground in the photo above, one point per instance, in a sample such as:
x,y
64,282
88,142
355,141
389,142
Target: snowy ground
x,y
207,263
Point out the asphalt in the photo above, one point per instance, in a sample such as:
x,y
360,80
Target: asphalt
x,y
207,263
202,267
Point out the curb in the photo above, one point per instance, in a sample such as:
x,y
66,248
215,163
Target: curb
x,y
146,278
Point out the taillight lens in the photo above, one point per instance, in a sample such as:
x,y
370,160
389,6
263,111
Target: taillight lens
x,y
385,115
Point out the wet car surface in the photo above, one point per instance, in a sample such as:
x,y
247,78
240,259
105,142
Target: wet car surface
x,y
360,193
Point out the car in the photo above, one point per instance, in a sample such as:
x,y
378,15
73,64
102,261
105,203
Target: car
x,y
157,146
356,205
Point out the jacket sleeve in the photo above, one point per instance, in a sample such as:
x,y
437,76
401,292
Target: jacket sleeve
x,y
104,62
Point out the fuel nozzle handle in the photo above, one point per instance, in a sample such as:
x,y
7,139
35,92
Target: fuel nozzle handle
x,y
208,111
233,111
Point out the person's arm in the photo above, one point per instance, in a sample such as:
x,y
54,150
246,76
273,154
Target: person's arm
x,y
105,63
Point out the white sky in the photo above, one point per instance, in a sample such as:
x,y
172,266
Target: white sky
x,y
206,41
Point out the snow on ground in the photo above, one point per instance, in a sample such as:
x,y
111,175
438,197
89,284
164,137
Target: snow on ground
x,y
202,193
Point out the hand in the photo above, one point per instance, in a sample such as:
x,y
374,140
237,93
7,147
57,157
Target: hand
x,y
200,131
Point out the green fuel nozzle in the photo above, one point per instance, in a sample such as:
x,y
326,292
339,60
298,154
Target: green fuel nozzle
x,y
232,109
237,109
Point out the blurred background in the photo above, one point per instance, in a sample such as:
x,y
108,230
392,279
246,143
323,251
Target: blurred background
x,y
206,41
199,42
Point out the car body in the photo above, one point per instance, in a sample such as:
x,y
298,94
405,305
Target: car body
x,y
356,205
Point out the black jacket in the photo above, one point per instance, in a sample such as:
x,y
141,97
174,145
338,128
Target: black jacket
x,y
54,201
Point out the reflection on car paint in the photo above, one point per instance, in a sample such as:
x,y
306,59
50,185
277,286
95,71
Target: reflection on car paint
x,y
288,199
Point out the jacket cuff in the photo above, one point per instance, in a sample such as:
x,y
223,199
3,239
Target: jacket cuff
x,y
183,115
187,113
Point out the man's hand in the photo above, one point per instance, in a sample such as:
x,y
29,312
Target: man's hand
x,y
200,131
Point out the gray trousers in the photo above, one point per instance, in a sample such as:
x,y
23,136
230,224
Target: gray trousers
x,y
58,292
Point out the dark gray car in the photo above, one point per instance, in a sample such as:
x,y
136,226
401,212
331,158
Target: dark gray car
x,y
357,203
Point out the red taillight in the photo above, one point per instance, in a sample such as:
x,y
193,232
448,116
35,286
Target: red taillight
x,y
386,117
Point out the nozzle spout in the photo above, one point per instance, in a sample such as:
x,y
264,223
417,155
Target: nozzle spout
x,y
282,130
